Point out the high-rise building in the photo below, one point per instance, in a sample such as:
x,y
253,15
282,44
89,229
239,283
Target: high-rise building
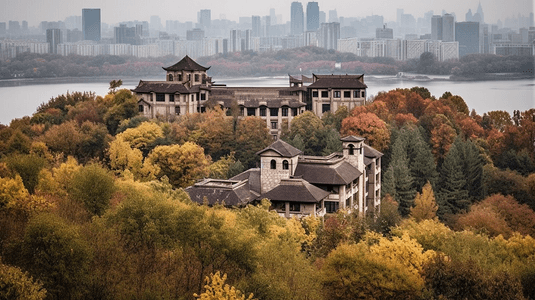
x,y
155,23
53,38
257,26
480,12
128,35
448,28
436,27
467,34
91,24
14,27
205,18
313,16
3,28
333,16
328,35
273,16
267,27
297,19
384,33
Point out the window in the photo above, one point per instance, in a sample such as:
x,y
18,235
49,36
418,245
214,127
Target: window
x,y
315,94
324,94
356,94
140,108
177,110
285,165
203,96
336,94
325,108
171,97
251,111
331,207
347,94
262,111
363,93
295,206
196,77
170,77
160,97
351,149
285,111
189,77
242,110
273,112
179,77
294,111
273,164
273,125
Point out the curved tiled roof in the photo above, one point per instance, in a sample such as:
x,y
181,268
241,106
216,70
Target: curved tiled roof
x,y
186,64
166,87
338,82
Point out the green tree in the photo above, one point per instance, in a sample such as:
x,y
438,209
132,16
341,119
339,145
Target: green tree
x,y
92,186
122,105
421,162
403,180
252,136
28,167
452,197
54,252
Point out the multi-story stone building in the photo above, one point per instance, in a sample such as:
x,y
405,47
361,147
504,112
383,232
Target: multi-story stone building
x,y
188,89
299,185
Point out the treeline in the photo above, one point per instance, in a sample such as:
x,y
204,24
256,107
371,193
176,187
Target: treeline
x,y
92,206
304,60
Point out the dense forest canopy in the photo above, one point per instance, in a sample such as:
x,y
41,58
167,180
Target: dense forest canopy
x,y
92,205
304,60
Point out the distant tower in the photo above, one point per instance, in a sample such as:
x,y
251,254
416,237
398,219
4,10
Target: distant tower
x,y
436,27
205,18
333,16
273,16
480,12
91,24
53,38
469,16
313,16
448,28
257,26
297,19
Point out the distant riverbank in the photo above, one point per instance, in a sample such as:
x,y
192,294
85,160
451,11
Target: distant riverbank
x,y
21,97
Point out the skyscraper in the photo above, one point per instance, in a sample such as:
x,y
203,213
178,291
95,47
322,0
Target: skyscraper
x,y
436,27
257,26
448,28
467,34
53,38
297,19
313,16
329,34
91,24
205,18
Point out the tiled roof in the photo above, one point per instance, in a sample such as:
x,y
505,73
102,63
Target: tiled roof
x,y
282,148
338,82
231,192
253,177
370,152
166,87
338,174
352,138
296,190
186,64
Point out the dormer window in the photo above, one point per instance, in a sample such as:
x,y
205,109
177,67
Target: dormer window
x,y
351,149
273,164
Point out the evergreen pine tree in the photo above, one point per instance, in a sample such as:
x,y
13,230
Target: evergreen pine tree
x,y
452,196
421,160
387,183
403,181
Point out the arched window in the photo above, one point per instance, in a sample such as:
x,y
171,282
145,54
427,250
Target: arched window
x,y
170,77
351,149
285,165
273,164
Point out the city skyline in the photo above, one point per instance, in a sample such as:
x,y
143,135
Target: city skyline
x,y
113,12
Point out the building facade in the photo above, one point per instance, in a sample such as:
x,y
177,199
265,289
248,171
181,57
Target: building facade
x,y
299,185
91,24
188,89
313,16
297,19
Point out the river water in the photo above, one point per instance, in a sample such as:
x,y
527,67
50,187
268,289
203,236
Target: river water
x,y
21,97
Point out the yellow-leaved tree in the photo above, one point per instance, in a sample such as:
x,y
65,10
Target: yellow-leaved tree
x,y
216,289
425,207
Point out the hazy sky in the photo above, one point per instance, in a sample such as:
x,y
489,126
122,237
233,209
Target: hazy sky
x,y
114,11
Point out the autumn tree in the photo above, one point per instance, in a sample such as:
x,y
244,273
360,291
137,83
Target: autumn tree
x,y
122,105
92,186
28,167
252,136
425,207
16,284
182,164
216,289
369,126
442,137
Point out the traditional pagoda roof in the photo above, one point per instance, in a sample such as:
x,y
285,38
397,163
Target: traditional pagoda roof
x,y
186,64
166,87
282,148
296,190
338,82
